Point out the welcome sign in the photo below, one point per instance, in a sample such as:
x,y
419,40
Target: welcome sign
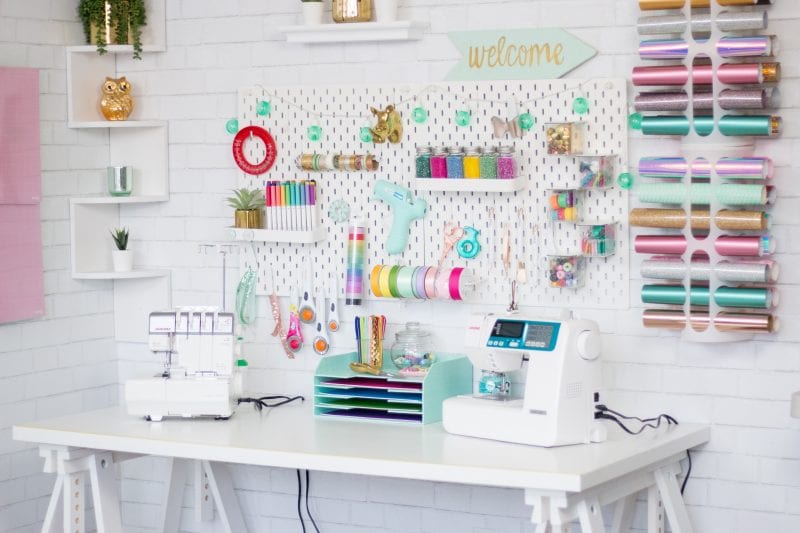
x,y
521,54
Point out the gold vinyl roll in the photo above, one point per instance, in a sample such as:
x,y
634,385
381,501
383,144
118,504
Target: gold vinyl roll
x,y
726,219
647,5
732,322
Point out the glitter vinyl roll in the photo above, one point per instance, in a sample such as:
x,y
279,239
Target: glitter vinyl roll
x,y
730,322
647,5
728,99
700,193
753,298
729,125
672,268
726,21
725,219
728,73
748,168
741,246
751,46
356,250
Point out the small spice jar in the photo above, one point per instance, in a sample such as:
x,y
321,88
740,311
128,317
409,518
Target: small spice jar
x,y
506,165
412,348
472,163
423,161
439,162
455,162
489,163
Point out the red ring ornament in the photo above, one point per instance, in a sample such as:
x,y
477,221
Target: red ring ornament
x,y
238,150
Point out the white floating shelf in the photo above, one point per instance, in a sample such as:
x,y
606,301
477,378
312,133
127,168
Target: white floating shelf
x,y
468,185
267,235
119,199
401,30
117,124
116,48
133,274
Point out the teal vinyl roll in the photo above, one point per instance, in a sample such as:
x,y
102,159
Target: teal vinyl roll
x,y
665,125
754,298
733,194
729,125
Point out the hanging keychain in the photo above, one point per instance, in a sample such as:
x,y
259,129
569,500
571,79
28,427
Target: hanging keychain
x,y
321,343
333,307
294,337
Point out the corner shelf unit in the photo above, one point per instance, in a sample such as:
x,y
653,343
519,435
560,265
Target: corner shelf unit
x,y
341,393
466,185
400,30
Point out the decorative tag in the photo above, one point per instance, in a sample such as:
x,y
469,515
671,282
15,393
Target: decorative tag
x,y
238,150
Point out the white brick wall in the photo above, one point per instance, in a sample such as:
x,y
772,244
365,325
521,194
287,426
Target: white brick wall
x,y
746,479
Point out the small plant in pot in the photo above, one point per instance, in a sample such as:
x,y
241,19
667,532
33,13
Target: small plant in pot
x,y
312,12
113,22
248,204
121,257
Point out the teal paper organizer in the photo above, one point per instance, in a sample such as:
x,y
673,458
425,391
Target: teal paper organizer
x,y
341,393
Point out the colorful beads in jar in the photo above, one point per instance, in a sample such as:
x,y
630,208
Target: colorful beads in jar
x,y
564,205
439,162
489,163
566,271
564,138
472,163
423,161
455,163
506,165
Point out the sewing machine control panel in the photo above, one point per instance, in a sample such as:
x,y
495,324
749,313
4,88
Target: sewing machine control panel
x,y
524,335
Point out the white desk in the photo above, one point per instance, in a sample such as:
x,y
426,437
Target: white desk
x,y
562,484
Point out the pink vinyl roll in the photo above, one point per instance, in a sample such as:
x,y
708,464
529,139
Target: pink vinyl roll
x,y
730,73
740,246
659,244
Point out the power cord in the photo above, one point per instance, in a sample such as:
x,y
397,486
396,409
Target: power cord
x,y
261,402
299,499
606,413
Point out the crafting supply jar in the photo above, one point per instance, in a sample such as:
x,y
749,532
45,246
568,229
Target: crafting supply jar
x,y
489,163
455,162
506,165
472,163
423,161
412,348
352,10
439,162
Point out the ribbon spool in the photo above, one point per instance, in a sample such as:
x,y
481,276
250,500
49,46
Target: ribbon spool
x,y
238,150
423,282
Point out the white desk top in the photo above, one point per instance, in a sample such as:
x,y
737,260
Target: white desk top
x,y
291,437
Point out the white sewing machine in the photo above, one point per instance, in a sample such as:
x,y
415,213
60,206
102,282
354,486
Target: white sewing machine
x,y
561,387
198,378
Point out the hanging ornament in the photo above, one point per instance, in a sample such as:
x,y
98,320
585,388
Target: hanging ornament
x,y
420,114
269,146
365,134
635,121
339,211
263,108
463,117
526,121
580,105
625,180
232,126
314,133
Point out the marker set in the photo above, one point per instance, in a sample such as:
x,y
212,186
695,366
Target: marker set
x,y
291,205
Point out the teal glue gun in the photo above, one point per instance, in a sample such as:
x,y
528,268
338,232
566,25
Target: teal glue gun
x,y
405,208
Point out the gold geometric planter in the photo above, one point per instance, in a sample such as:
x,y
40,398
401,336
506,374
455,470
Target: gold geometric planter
x,y
250,219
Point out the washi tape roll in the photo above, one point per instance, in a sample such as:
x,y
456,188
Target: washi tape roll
x,y
405,282
393,271
443,284
430,282
374,277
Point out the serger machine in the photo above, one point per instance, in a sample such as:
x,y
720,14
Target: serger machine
x,y
561,387
197,344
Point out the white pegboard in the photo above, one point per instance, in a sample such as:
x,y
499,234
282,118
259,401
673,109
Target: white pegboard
x,y
293,109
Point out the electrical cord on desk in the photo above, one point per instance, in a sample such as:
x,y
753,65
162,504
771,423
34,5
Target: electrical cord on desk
x,y
261,402
605,413
299,499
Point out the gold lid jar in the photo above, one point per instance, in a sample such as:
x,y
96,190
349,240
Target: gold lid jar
x,y
352,10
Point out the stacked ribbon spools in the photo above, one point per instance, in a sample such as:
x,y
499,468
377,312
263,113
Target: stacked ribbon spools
x,y
422,282
712,272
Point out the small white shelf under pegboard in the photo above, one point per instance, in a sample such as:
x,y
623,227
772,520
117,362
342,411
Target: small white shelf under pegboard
x,y
399,30
474,185
265,235
341,112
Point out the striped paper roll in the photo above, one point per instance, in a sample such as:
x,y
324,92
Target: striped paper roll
x,y
729,125
727,47
729,73
754,298
726,21
748,168
729,322
700,193
647,5
673,268
725,219
356,246
704,100
729,245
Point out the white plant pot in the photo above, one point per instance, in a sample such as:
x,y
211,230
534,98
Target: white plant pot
x,y
385,10
123,260
312,13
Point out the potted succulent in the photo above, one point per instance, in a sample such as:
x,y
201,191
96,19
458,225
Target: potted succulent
x,y
121,257
312,12
113,22
248,204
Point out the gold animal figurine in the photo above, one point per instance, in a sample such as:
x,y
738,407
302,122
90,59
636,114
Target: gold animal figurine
x,y
117,102
389,126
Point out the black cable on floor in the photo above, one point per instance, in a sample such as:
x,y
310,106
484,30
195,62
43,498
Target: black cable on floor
x,y
308,511
261,402
299,499
688,471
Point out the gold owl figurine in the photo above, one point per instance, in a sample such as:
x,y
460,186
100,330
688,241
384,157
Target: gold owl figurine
x,y
117,102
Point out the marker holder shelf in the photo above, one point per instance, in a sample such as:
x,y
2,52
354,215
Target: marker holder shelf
x,y
340,393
